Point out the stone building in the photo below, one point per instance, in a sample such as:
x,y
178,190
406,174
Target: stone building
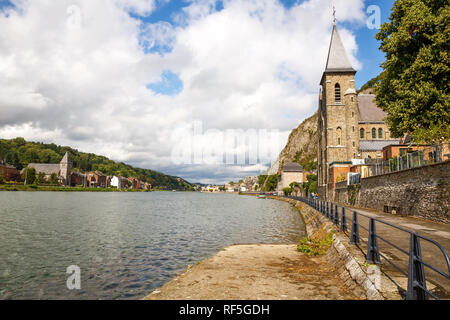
x,y
62,170
350,126
290,172
8,172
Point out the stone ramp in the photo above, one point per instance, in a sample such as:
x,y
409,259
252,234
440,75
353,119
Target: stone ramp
x,y
257,272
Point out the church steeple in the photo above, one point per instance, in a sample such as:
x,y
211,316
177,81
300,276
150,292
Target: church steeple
x,y
338,60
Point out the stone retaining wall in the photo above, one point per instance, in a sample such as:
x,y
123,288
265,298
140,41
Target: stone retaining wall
x,y
366,281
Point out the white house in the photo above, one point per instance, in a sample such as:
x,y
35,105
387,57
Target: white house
x,y
119,182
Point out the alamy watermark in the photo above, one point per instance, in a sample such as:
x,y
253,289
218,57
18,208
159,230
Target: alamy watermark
x,y
74,17
194,145
74,280
374,17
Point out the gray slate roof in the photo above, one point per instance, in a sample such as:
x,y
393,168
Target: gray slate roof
x,y
375,145
45,168
368,110
337,56
292,167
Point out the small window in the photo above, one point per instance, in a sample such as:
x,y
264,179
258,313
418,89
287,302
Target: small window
x,y
353,128
337,93
362,133
353,114
339,135
380,133
374,133
354,145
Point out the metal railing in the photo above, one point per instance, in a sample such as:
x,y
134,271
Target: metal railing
x,y
410,160
417,287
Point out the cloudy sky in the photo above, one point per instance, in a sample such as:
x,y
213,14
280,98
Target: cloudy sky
x,y
145,81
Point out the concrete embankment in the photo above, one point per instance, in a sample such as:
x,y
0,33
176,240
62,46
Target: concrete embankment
x,y
281,272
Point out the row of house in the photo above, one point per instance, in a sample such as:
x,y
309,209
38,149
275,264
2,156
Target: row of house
x,y
63,172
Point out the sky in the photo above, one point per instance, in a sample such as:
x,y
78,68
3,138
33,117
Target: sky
x,y
206,90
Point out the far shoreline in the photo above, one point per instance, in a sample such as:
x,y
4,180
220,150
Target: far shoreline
x,y
35,188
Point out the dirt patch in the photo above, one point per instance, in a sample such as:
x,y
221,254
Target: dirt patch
x,y
257,272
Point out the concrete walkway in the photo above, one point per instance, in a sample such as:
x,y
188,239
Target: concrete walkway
x,y
430,253
261,272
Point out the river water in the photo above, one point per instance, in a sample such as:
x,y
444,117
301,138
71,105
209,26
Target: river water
x,y
125,244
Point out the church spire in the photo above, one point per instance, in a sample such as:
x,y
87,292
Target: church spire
x,y
338,60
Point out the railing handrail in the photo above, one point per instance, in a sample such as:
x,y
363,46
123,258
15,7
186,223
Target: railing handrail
x,y
416,276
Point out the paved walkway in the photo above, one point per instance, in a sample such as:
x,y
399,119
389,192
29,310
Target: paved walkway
x,y
431,254
257,272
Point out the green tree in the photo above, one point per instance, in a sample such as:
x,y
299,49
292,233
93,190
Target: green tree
x,y
287,191
414,86
40,178
272,182
30,175
54,179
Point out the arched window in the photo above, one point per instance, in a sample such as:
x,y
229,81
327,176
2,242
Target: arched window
x,y
337,93
374,133
380,133
339,136
362,133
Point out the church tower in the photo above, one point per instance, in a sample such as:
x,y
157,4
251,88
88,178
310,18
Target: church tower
x,y
65,167
338,118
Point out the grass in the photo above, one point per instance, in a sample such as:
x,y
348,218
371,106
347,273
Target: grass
x,y
315,247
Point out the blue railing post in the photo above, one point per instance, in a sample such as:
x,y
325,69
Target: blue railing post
x,y
344,220
416,272
373,255
331,211
354,237
336,216
327,210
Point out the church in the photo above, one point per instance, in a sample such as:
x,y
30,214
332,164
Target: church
x,y
62,170
351,127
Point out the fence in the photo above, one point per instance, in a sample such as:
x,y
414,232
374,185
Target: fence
x,y
417,287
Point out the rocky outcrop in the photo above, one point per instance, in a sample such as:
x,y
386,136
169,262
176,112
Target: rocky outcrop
x,y
301,147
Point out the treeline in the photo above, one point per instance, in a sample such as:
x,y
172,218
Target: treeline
x,y
20,153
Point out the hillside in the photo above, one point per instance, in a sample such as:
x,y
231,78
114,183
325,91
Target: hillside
x,y
20,153
301,147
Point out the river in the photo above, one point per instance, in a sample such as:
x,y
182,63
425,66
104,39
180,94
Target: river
x,y
125,244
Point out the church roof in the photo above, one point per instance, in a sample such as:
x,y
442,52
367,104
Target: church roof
x,y
368,110
45,168
292,167
375,145
338,60
66,158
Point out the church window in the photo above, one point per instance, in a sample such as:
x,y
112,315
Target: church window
x,y
374,133
339,136
337,93
380,133
362,134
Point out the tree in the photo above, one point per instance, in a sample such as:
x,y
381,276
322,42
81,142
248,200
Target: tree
x,y
30,175
414,87
272,182
54,179
40,178
287,191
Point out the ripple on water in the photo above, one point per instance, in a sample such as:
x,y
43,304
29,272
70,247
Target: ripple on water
x,y
125,244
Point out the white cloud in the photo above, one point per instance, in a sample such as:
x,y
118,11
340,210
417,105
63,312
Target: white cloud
x,y
253,64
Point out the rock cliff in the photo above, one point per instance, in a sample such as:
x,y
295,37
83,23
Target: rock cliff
x,y
301,147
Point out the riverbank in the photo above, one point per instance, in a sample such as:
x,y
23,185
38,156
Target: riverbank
x,y
18,187
274,272
257,272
